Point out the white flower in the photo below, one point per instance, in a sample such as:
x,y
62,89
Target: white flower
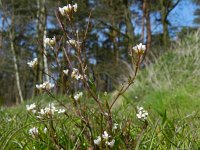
x,y
140,108
60,111
50,110
31,108
66,72
50,41
33,63
47,111
111,143
45,130
33,132
78,76
105,135
39,86
141,113
97,141
75,74
42,112
75,6
78,96
45,86
9,119
62,11
139,49
115,126
48,86
66,10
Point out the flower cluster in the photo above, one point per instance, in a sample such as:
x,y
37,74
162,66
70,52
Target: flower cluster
x,y
33,63
50,41
139,49
48,111
78,96
105,137
34,131
31,108
45,86
76,75
141,113
66,10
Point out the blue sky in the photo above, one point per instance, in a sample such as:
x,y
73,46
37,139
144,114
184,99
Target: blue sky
x,y
182,15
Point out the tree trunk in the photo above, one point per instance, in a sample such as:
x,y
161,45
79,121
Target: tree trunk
x,y
164,23
129,25
130,28
143,20
11,35
42,34
148,25
44,18
113,38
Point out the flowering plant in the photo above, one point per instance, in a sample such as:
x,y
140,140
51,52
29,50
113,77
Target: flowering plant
x,y
76,72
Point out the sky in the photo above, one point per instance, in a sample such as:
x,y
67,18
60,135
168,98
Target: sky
x,y
182,15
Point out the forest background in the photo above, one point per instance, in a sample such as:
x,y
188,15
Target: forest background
x,y
115,27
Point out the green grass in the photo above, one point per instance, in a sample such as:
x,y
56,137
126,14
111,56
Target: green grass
x,y
173,80
168,89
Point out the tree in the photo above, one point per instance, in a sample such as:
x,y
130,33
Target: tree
x,y
16,68
166,7
17,43
197,12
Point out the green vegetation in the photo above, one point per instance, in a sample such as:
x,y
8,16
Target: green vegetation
x,y
173,81
168,89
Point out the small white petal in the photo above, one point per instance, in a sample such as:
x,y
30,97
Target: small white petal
x,y
105,135
97,141
75,6
66,72
60,111
45,130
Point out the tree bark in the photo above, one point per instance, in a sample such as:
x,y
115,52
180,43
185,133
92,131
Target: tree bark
x,y
148,25
143,20
42,34
16,68
164,22
129,25
44,18
130,28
